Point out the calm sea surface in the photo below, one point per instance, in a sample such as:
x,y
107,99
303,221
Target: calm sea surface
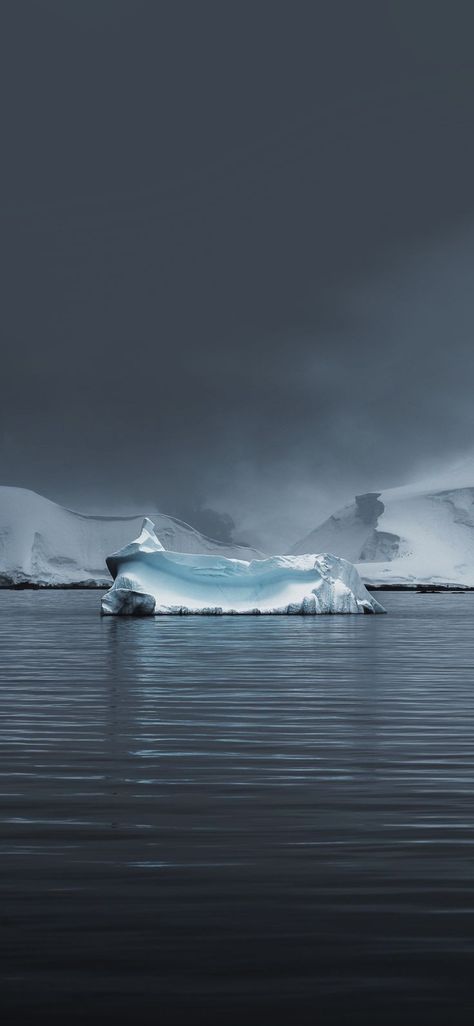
x,y
226,820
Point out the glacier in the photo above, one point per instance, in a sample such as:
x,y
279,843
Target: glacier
x,y
418,535
150,580
44,545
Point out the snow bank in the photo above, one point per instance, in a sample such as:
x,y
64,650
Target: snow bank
x,y
149,580
43,544
415,535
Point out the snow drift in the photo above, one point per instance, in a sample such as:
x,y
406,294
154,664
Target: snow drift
x,y
410,536
43,544
149,580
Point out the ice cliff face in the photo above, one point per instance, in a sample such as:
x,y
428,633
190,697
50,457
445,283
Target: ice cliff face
x,y
43,544
149,580
409,536
353,532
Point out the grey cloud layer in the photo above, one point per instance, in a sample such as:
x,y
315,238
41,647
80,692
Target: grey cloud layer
x,y
236,252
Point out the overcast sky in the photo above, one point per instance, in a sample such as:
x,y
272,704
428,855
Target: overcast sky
x,y
237,250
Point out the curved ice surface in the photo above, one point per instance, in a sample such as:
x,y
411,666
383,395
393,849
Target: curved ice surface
x,y
149,580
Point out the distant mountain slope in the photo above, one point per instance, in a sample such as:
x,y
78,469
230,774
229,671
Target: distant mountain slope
x,y
42,543
411,535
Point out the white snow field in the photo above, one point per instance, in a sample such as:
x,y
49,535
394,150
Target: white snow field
x,y
148,580
43,544
412,536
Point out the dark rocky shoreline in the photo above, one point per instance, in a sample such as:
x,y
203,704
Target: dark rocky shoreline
x,y
423,589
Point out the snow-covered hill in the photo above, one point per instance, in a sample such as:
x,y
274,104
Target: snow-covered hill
x,y
42,543
416,535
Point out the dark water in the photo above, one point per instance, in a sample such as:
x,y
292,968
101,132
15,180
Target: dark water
x,y
267,820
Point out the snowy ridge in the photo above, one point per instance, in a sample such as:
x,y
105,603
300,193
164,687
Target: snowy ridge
x,y
410,536
43,544
148,580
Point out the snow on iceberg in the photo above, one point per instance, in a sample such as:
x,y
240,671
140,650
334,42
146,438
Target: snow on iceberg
x,y
149,580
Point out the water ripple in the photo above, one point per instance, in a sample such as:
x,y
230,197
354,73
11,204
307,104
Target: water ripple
x,y
274,803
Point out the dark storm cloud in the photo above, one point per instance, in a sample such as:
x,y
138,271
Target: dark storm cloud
x,y
236,250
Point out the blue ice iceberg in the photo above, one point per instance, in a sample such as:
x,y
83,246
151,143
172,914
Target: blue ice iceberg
x,y
149,581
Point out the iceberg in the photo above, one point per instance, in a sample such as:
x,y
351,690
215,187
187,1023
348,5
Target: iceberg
x,y
150,580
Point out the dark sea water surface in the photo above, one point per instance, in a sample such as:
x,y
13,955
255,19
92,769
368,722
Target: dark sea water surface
x,y
236,819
